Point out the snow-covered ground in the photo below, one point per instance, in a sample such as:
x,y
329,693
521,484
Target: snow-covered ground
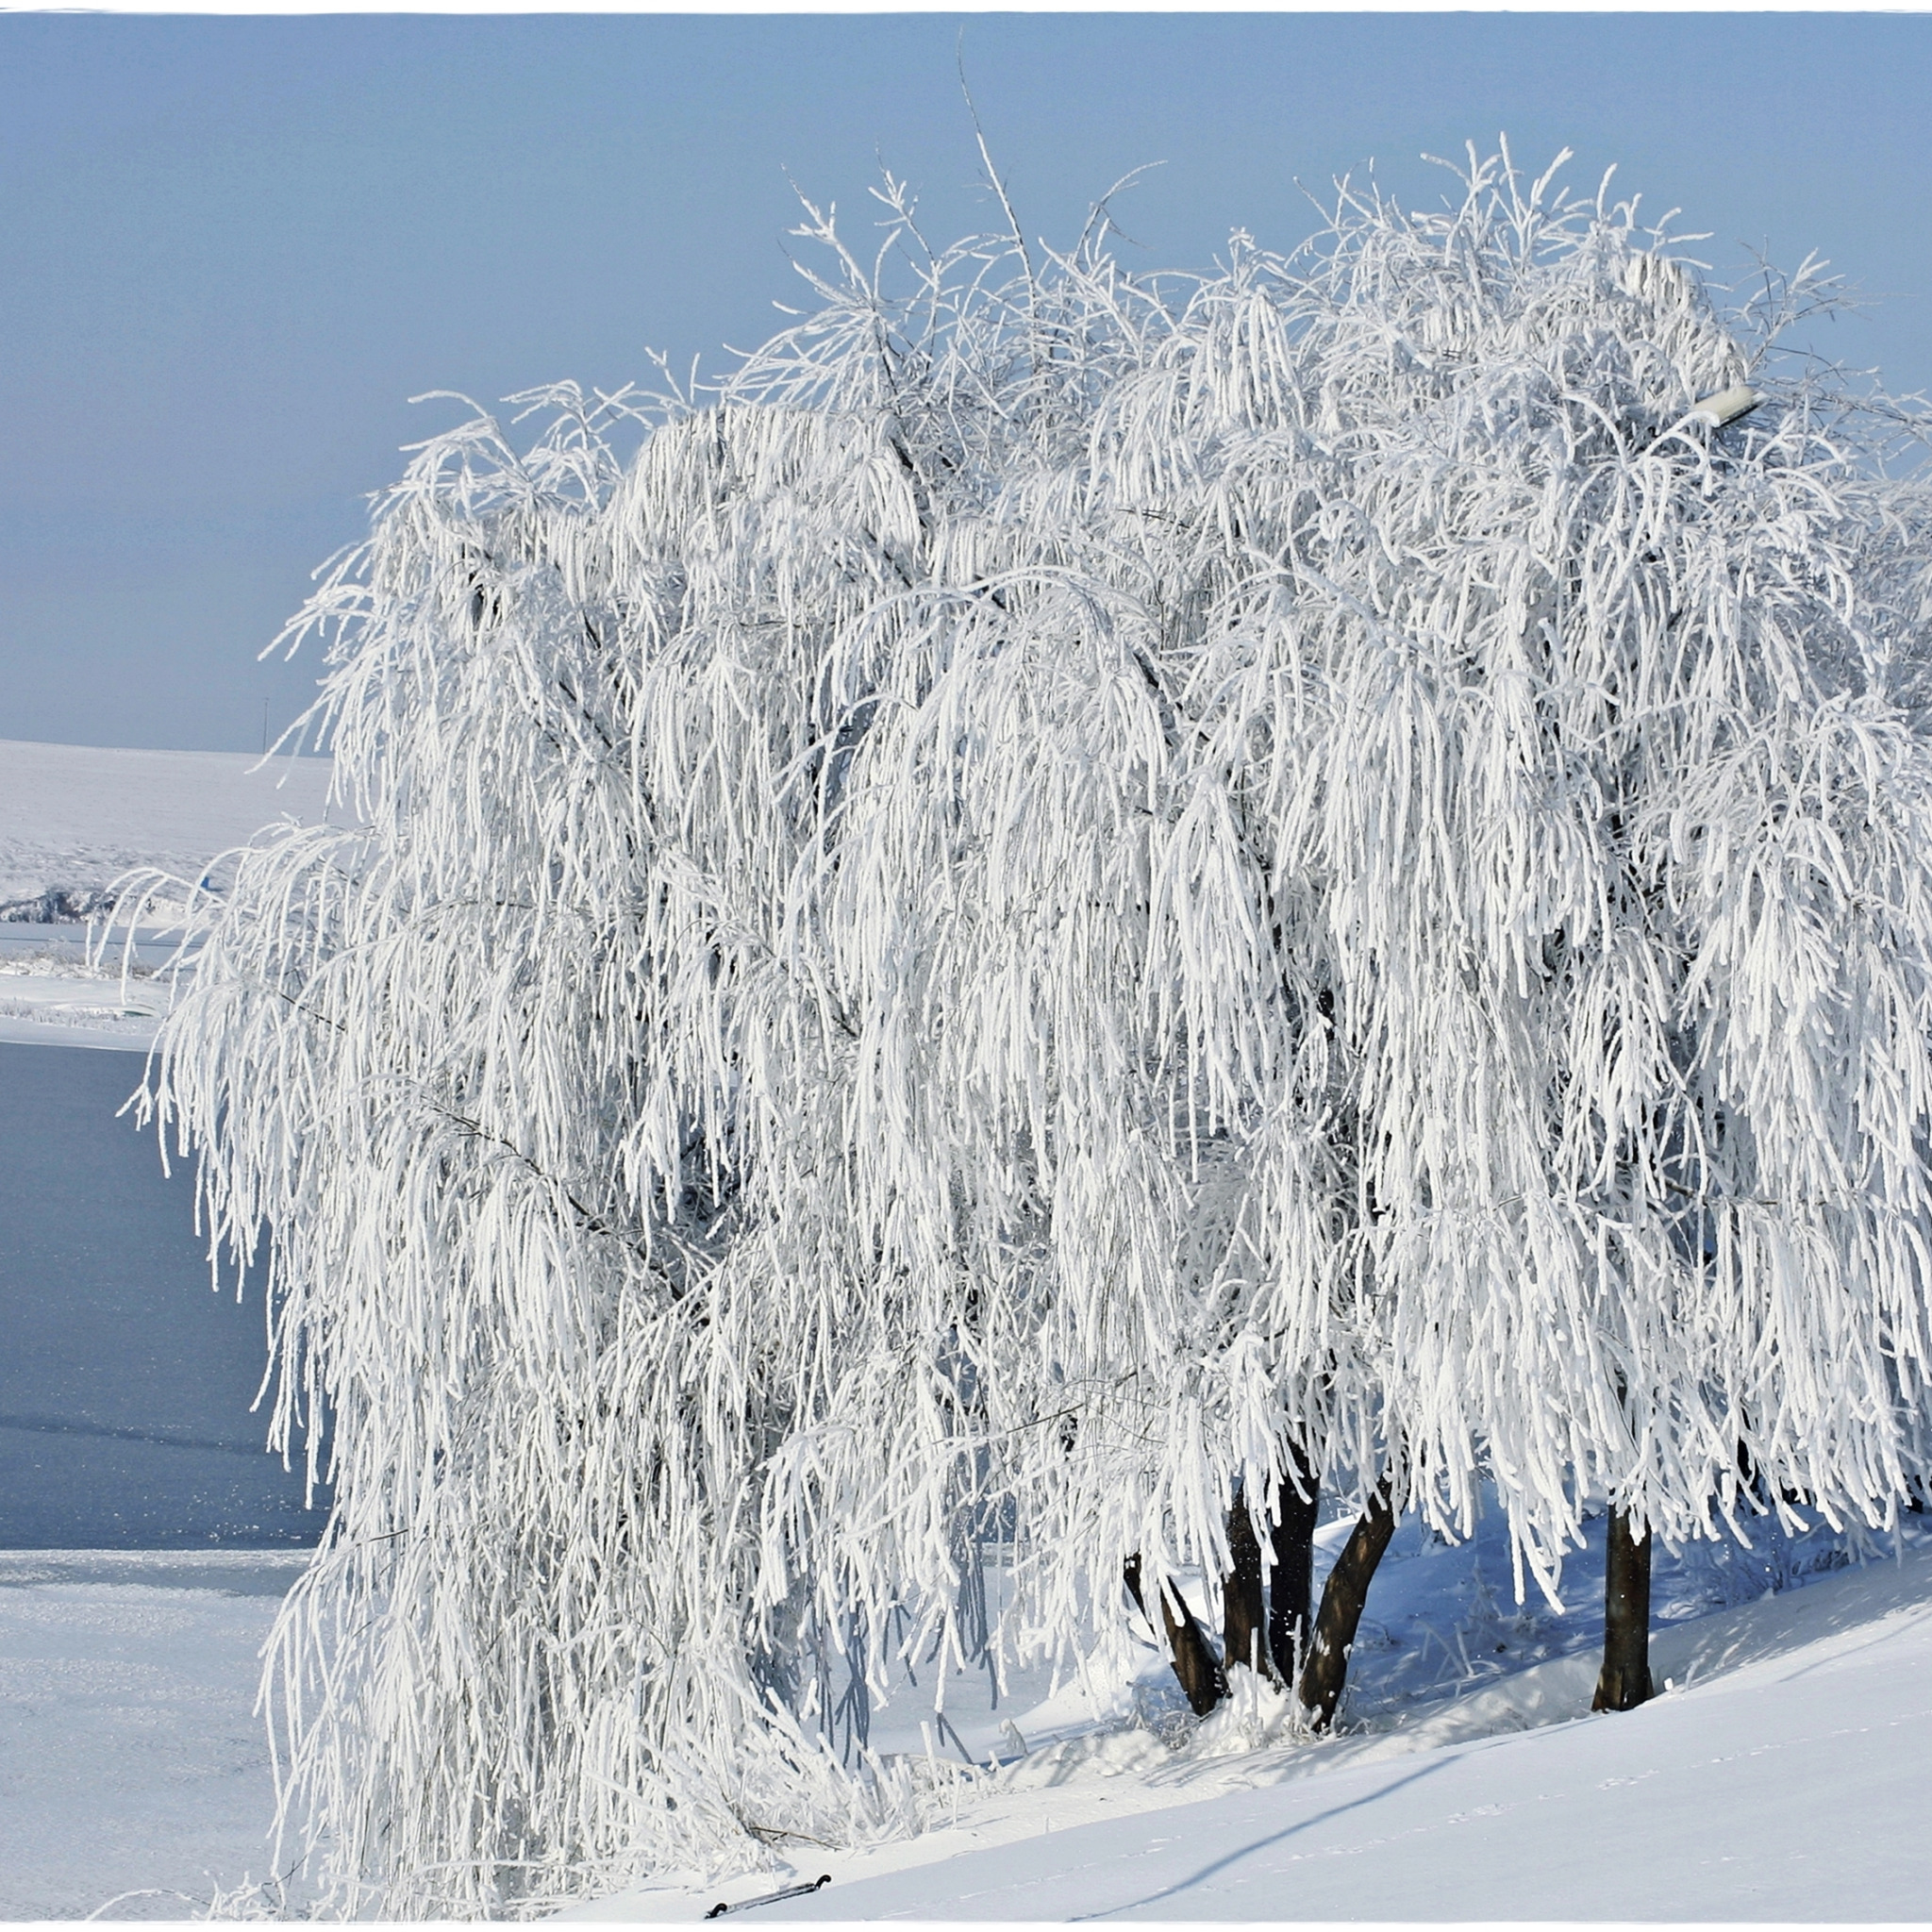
x,y
1790,1787
1781,1777
73,818
132,1762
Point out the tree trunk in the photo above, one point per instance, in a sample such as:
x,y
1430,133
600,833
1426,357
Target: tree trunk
x,y
1347,1590
1244,1635
1193,1657
1625,1680
1293,1581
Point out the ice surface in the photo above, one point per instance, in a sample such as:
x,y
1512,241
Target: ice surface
x,y
126,1382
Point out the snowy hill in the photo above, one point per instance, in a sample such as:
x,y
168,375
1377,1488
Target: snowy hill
x,y
73,818
1781,1778
1788,1788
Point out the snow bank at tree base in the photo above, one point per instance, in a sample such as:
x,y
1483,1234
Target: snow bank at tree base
x,y
1783,1777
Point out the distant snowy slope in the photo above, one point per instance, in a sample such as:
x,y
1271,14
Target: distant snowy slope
x,y
73,817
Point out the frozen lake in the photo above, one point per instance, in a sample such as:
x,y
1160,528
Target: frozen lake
x,y
126,1382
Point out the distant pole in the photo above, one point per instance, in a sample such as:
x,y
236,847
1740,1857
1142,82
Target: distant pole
x,y
264,728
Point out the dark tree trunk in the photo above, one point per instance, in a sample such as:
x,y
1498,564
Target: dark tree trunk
x,y
1293,1581
1193,1657
1347,1589
1625,1680
1244,1637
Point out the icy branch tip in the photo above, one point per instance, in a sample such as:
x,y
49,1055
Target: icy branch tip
x,y
1727,406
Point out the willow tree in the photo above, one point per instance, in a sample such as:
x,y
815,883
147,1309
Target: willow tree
x,y
1067,910
1357,844
658,1382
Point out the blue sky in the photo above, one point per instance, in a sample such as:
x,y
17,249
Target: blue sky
x,y
231,248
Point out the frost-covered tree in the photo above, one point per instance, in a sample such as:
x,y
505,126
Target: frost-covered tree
x,y
1457,604
588,1218
1067,910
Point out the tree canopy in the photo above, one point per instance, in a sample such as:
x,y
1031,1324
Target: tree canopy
x,y
1067,895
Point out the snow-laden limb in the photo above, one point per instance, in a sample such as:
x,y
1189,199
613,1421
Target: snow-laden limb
x,y
1067,894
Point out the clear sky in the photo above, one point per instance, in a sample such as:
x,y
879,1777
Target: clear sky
x,y
231,248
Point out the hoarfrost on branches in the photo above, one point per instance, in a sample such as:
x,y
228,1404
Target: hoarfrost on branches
x,y
1068,895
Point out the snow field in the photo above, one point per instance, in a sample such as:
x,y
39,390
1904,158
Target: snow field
x,y
74,816
131,1759
1781,1776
